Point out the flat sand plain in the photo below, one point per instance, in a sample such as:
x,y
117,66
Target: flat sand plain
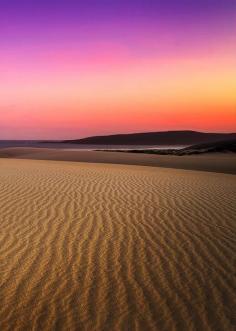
x,y
115,247
212,162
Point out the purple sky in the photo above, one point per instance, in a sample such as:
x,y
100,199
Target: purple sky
x,y
96,67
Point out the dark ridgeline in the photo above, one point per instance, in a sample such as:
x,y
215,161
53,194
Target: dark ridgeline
x,y
156,138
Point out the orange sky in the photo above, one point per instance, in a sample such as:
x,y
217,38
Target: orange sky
x,y
196,94
71,80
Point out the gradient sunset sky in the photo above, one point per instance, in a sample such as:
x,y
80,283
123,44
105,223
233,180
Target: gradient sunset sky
x,y
70,69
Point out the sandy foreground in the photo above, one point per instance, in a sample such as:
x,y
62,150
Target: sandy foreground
x,y
115,247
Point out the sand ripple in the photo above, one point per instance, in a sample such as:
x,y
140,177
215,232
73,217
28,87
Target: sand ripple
x,y
109,247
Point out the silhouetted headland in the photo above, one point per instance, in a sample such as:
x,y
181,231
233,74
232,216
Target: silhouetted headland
x,y
156,138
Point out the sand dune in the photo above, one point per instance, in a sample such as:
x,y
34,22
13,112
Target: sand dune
x,y
111,247
222,162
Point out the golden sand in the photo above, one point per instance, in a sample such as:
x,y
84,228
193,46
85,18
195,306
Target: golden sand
x,y
112,247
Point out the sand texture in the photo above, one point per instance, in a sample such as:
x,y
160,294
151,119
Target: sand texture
x,y
115,247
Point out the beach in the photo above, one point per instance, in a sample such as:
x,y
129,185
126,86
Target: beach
x,y
99,246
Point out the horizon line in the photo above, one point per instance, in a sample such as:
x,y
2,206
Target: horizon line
x,y
119,134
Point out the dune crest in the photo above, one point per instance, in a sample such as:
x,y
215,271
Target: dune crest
x,y
112,247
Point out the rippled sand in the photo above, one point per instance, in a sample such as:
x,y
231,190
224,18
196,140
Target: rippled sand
x,y
111,247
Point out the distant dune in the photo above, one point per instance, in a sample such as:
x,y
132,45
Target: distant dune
x,y
156,138
213,162
226,146
112,247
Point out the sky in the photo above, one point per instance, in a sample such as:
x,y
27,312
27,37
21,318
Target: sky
x,y
71,69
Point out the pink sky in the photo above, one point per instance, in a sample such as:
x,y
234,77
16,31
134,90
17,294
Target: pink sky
x,y
73,80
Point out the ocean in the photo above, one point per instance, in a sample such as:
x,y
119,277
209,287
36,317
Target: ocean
x,y
77,147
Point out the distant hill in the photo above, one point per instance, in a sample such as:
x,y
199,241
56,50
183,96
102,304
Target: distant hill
x,y
156,138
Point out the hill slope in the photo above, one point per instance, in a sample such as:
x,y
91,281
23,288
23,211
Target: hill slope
x,y
156,138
